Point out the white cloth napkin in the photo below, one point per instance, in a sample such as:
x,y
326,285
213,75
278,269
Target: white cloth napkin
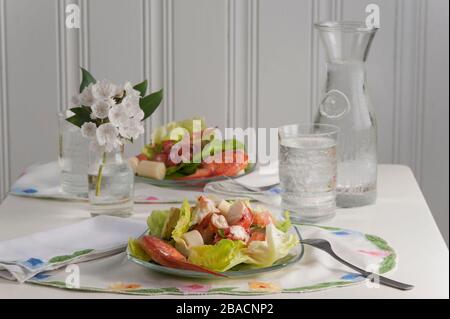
x,y
263,176
23,258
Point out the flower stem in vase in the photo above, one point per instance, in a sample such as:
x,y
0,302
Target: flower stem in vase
x,y
99,175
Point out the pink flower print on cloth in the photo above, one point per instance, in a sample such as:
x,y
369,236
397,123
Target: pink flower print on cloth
x,y
374,253
194,288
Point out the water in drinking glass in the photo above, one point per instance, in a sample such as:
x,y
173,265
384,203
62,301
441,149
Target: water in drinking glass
x,y
111,183
307,168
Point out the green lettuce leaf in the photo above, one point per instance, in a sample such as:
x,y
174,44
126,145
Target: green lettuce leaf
x,y
285,224
163,133
148,151
233,144
135,250
219,257
183,222
217,146
156,221
182,169
276,246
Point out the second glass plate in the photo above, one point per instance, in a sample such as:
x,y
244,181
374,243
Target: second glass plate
x,y
194,183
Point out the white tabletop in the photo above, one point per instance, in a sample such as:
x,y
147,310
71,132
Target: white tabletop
x,y
401,216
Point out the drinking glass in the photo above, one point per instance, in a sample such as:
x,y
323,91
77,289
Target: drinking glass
x,y
307,168
73,158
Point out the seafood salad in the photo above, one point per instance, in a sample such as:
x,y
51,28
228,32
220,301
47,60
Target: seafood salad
x,y
188,150
214,237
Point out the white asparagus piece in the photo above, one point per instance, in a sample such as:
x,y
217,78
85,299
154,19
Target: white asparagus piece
x,y
156,170
182,247
133,162
193,238
189,240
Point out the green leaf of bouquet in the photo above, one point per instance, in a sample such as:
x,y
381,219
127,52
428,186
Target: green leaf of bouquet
x,y
76,120
83,111
86,79
82,115
150,103
141,87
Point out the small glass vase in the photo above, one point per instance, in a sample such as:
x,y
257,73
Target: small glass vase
x,y
111,184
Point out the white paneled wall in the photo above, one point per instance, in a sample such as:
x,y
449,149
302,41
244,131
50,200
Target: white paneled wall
x,y
238,62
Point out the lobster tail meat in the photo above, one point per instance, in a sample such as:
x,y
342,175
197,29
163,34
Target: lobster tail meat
x,y
166,255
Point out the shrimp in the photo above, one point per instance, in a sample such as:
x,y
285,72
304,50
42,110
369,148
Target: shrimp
x,y
246,219
206,204
229,163
166,255
206,229
262,219
239,214
257,235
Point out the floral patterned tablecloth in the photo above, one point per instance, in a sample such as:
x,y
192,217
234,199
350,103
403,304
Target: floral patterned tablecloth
x,y
316,271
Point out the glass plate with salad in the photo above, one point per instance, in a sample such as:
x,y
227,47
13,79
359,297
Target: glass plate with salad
x,y
187,153
216,240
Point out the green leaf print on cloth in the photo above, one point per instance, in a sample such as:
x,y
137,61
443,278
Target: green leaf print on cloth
x,y
63,258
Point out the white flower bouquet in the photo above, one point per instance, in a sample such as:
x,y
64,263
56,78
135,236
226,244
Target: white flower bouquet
x,y
110,115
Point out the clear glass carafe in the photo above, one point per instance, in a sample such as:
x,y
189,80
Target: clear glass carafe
x,y
346,104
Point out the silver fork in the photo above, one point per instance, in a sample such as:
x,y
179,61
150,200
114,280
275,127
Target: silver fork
x,y
325,245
